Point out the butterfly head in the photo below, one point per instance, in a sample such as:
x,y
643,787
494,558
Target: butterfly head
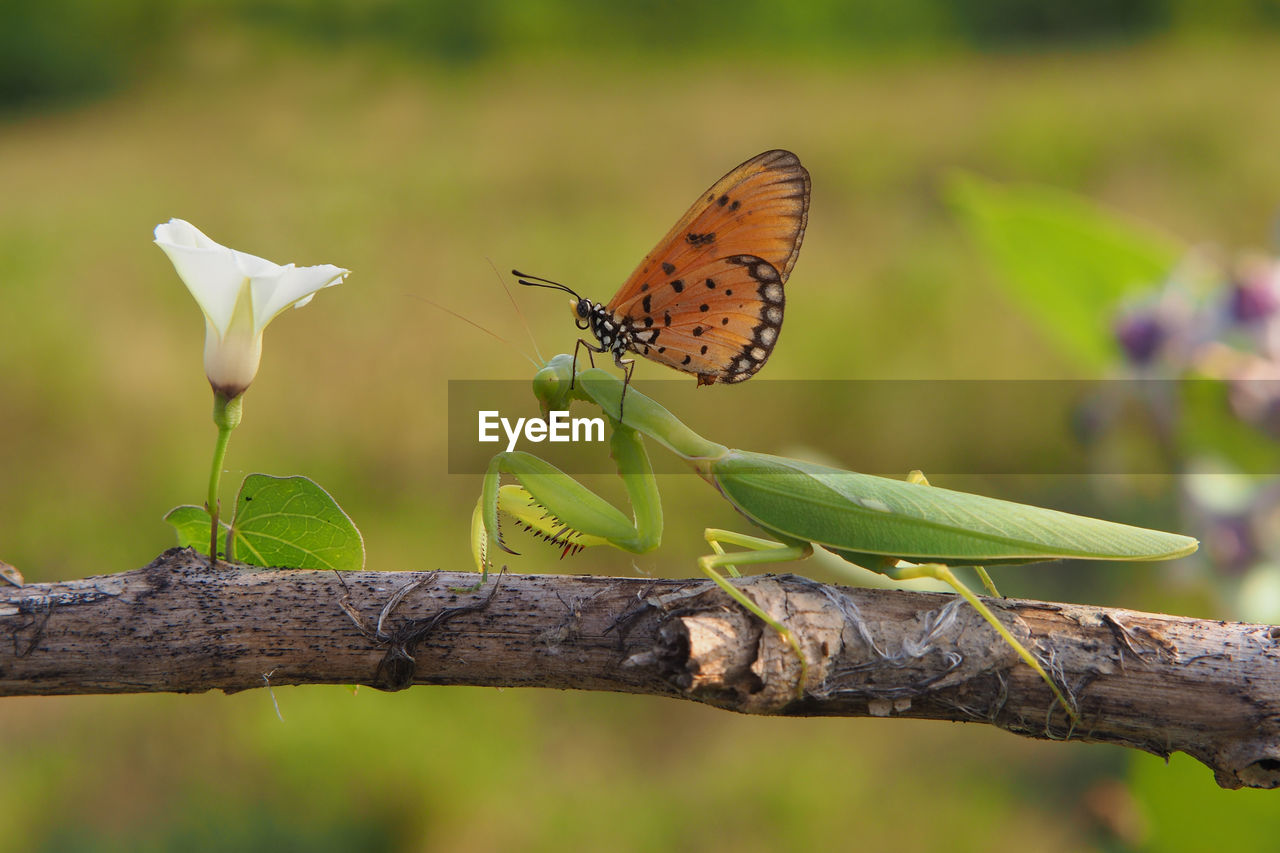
x,y
581,309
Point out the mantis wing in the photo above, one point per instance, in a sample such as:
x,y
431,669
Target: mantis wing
x,y
859,515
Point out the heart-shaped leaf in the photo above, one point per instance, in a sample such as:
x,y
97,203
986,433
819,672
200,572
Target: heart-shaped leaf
x,y
291,521
192,524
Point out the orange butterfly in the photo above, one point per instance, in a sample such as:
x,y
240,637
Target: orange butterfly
x,y
708,299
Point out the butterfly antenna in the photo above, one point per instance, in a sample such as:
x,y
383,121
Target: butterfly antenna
x,y
536,281
523,320
473,323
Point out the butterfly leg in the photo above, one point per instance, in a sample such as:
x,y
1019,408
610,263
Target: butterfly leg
x,y
627,365
591,349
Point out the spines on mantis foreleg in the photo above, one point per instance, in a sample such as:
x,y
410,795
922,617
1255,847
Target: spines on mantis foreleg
x,y
489,502
548,503
479,537
542,522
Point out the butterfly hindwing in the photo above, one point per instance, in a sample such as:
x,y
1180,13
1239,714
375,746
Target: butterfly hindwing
x,y
721,324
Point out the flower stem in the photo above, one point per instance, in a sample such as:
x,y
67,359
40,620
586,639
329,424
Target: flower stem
x,y
226,415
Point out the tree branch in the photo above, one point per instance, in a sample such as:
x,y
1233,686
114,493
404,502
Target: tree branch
x,y
1157,683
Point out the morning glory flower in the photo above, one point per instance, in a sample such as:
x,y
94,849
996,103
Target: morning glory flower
x,y
239,295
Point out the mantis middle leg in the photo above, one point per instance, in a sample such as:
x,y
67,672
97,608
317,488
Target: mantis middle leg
x,y
760,551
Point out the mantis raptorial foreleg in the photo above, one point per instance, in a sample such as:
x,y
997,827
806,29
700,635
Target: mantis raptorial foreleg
x,y
555,506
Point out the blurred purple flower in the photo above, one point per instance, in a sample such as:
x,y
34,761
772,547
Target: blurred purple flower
x,y
1141,335
1231,543
1253,294
1252,301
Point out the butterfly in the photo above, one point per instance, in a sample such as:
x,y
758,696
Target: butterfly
x,y
708,300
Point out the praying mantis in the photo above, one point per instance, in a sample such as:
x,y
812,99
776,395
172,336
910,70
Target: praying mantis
x,y
901,528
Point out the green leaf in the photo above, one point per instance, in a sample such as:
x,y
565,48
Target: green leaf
x,y
192,525
291,521
1065,259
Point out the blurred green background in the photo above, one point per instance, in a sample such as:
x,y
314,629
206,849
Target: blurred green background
x,y
422,145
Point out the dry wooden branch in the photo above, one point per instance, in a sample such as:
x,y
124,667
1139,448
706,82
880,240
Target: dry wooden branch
x,y
1158,683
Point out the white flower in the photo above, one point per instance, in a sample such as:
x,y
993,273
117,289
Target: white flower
x,y
239,295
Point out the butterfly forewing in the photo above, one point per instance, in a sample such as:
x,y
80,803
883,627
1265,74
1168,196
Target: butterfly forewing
x,y
708,299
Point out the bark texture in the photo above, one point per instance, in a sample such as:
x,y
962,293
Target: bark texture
x,y
1154,682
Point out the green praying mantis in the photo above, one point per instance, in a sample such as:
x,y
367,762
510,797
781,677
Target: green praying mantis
x,y
901,528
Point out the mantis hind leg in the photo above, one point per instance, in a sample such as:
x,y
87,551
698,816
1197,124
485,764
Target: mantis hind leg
x,y
760,551
944,574
917,476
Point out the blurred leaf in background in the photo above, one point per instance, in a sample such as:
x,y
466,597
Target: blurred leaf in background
x,y
1066,261
57,51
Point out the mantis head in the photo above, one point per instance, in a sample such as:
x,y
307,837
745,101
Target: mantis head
x,y
551,384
